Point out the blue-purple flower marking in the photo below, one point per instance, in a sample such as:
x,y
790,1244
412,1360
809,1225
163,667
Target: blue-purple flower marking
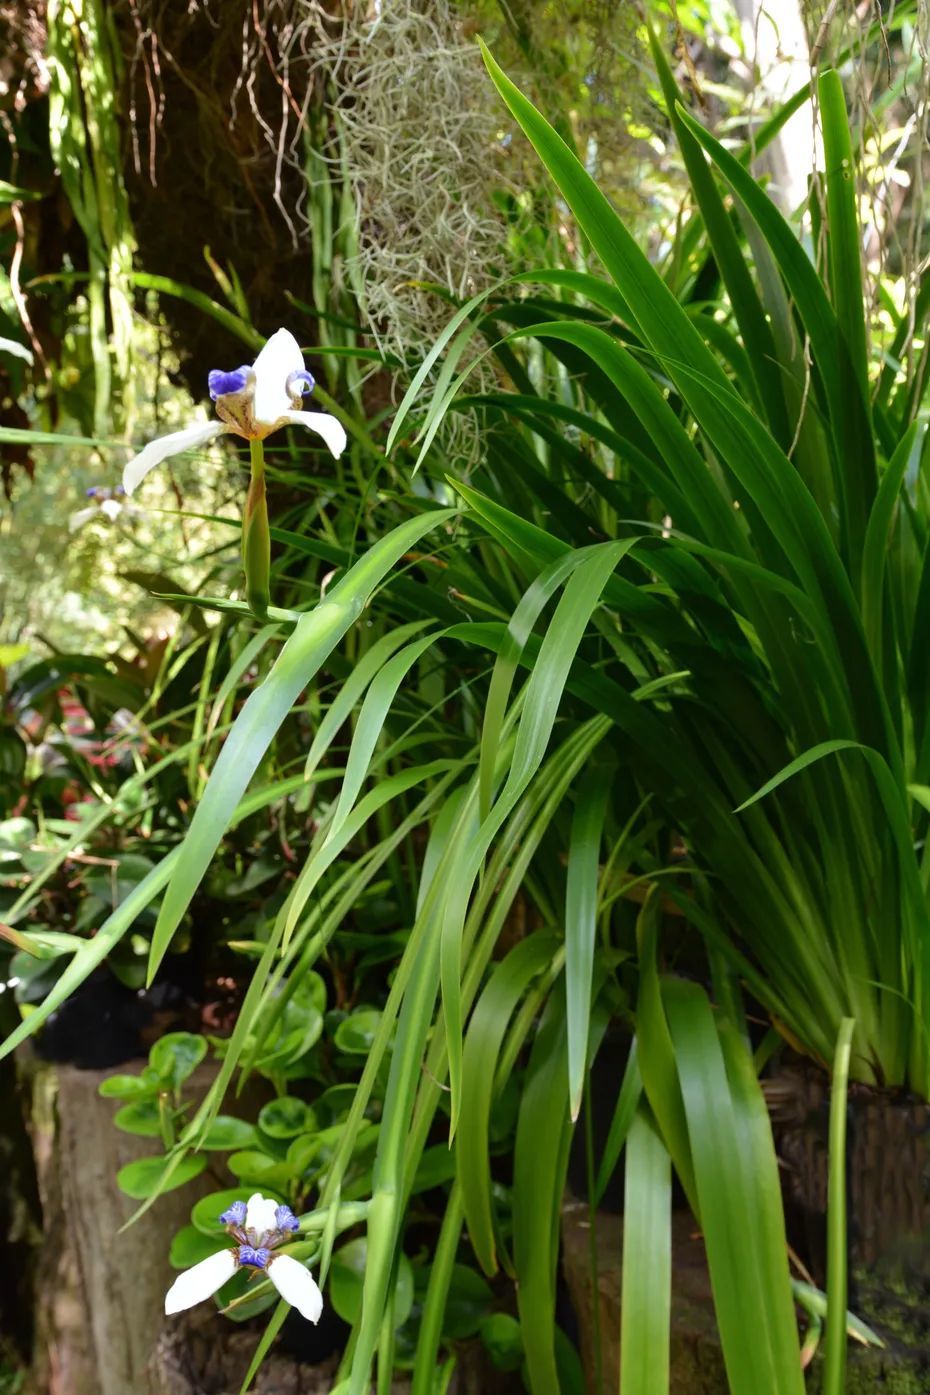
x,y
100,491
306,378
220,383
256,1245
258,1259
285,1219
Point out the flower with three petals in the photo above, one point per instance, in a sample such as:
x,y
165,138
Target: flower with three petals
x,y
108,502
258,1226
251,402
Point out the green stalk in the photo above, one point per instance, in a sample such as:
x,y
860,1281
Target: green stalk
x,y
834,1371
434,1309
256,537
386,1344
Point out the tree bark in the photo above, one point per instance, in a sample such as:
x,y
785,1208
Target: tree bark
x,y
99,1293
891,1300
775,40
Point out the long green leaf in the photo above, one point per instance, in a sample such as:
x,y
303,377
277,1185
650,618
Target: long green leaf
x,y
483,1041
540,1162
581,894
749,1274
314,638
645,1305
854,455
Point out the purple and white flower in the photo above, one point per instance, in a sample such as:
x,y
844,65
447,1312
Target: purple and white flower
x,y
251,402
258,1226
109,502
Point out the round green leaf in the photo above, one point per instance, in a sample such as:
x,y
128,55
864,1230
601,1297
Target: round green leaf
x,y
312,991
501,1335
190,1246
258,1170
286,1118
356,1032
227,1133
143,1117
176,1055
301,1152
470,1298
128,1087
142,1178
297,1036
334,1104
347,1275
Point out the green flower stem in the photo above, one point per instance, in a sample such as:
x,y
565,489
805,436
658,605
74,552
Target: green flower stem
x,y
256,537
834,1355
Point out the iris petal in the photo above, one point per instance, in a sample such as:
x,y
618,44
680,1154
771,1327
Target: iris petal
x,y
163,446
260,1215
296,1286
200,1282
257,1258
285,1219
299,384
278,361
77,520
324,425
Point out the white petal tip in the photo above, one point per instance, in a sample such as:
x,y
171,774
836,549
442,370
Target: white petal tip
x,y
332,431
260,1214
296,1286
77,520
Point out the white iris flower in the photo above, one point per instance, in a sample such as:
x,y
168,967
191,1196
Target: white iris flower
x,y
251,402
258,1226
109,502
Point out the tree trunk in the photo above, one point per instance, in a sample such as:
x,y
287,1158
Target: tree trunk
x,y
775,40
99,1293
892,1300
696,1366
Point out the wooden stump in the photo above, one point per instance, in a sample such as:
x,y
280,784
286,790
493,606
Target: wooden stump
x,y
99,1294
188,1360
100,1324
696,1362
887,1164
893,1296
